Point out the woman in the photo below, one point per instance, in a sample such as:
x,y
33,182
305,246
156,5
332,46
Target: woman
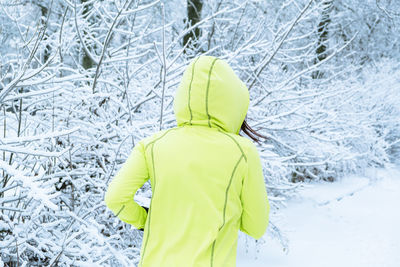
x,y
207,180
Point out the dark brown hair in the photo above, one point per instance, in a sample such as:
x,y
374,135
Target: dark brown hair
x,y
250,132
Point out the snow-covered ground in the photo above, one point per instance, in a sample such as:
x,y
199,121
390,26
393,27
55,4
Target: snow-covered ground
x,y
353,222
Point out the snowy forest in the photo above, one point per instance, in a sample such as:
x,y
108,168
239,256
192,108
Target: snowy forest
x,y
82,81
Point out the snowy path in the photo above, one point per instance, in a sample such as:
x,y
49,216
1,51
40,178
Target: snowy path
x,y
328,226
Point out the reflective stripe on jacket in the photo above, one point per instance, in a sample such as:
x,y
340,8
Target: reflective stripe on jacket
x,y
207,181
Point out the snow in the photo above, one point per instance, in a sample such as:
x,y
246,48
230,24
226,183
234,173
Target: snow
x,y
351,222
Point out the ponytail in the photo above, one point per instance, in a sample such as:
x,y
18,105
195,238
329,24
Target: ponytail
x,y
250,132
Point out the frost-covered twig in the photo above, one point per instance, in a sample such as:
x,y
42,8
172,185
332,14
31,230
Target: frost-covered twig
x,y
263,65
22,139
34,152
106,43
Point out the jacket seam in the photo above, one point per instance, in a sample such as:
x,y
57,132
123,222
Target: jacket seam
x,y
152,143
158,138
227,190
208,87
143,152
236,142
150,209
225,204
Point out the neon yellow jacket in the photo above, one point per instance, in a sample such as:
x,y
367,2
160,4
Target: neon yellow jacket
x,y
207,181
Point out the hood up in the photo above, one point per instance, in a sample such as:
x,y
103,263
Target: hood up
x,y
211,94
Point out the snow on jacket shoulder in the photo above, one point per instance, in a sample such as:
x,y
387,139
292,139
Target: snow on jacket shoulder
x,y
207,181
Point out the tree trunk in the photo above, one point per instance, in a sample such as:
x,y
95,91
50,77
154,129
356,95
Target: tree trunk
x,y
87,62
44,12
322,36
193,16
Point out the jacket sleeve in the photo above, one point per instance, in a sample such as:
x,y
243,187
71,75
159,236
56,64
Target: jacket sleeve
x,y
255,204
120,192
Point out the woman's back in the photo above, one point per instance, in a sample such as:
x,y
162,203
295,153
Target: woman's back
x,y
207,181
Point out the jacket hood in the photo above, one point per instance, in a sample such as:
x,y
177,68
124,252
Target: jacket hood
x,y
211,94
